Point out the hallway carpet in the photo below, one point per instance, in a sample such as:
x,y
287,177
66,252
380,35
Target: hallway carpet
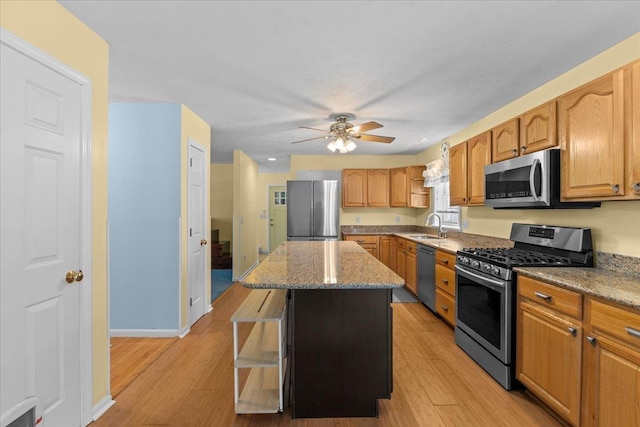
x,y
220,282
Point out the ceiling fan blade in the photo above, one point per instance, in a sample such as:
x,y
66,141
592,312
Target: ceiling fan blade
x,y
376,138
310,139
366,127
306,127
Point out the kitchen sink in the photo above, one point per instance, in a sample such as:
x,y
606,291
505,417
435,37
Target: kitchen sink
x,y
424,236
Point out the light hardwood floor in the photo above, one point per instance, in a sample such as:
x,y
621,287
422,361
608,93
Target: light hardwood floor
x,y
435,382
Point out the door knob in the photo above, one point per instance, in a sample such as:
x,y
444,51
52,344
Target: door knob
x,y
203,242
72,276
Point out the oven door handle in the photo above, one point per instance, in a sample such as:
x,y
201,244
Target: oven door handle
x,y
497,285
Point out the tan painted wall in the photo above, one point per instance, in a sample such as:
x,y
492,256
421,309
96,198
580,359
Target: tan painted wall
x,y
51,28
221,200
614,225
363,216
194,128
245,213
262,197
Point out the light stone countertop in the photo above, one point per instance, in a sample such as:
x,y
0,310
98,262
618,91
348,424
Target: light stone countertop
x,y
321,265
609,285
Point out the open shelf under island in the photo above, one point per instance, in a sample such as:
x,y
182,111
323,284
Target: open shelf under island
x,y
339,335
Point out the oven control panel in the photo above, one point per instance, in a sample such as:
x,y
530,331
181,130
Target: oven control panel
x,y
484,267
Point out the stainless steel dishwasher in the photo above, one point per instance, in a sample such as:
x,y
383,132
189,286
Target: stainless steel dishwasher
x,y
427,276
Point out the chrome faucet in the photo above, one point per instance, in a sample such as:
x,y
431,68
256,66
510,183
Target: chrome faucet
x,y
441,232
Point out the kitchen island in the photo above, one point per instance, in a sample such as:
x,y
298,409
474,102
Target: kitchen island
x,y
339,332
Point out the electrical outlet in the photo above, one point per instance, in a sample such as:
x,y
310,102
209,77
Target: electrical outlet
x,y
397,219
357,220
465,225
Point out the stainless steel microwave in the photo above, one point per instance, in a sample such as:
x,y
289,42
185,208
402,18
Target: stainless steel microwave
x,y
531,181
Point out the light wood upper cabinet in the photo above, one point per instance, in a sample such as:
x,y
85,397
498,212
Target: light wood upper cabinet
x,y
419,195
611,365
399,187
538,129
378,188
354,188
506,140
466,170
549,345
458,174
632,83
592,137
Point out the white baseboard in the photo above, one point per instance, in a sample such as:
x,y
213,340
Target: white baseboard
x,y
145,333
102,407
184,332
246,273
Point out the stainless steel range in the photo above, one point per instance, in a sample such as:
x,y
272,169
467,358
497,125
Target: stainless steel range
x,y
486,290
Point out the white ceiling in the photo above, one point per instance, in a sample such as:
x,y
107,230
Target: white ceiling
x,y
256,70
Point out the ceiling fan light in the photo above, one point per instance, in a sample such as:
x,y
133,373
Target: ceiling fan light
x,y
332,146
351,146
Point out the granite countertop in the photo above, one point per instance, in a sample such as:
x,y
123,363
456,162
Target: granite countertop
x,y
321,265
622,288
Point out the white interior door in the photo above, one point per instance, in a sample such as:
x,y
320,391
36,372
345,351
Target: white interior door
x,y
277,216
197,232
41,218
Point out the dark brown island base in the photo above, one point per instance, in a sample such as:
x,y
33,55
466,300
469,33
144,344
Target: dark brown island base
x,y
339,336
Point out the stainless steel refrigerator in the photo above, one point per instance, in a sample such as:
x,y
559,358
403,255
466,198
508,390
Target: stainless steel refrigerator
x,y
313,210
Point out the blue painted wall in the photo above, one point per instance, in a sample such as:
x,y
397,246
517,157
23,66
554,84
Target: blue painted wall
x,y
144,209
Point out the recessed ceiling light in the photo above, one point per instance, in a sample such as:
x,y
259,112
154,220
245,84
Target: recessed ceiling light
x,y
425,139
272,159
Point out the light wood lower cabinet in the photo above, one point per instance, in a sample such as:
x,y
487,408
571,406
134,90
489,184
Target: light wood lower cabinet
x,y
411,268
384,249
585,368
611,389
369,243
446,286
549,345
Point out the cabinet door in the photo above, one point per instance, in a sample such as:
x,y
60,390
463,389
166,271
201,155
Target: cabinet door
x,y
479,155
384,250
538,129
393,254
398,187
549,359
612,384
633,148
411,271
505,141
378,188
402,258
354,188
458,174
592,139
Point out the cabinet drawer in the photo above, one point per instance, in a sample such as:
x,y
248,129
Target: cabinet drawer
x,y
562,300
363,239
446,259
411,247
446,279
620,322
402,243
446,306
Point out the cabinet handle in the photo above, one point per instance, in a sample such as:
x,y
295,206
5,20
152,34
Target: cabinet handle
x,y
615,188
592,340
633,332
523,149
573,331
445,261
545,297
445,308
445,281
515,152
636,187
360,241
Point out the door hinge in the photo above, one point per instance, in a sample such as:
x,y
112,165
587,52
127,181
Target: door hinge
x,y
190,302
190,162
190,232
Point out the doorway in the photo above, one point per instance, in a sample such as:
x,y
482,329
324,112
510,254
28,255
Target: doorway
x,y
277,215
197,237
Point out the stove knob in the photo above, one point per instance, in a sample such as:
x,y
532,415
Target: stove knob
x,y
486,267
495,271
475,264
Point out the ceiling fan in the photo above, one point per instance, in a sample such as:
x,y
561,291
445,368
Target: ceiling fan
x,y
342,133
